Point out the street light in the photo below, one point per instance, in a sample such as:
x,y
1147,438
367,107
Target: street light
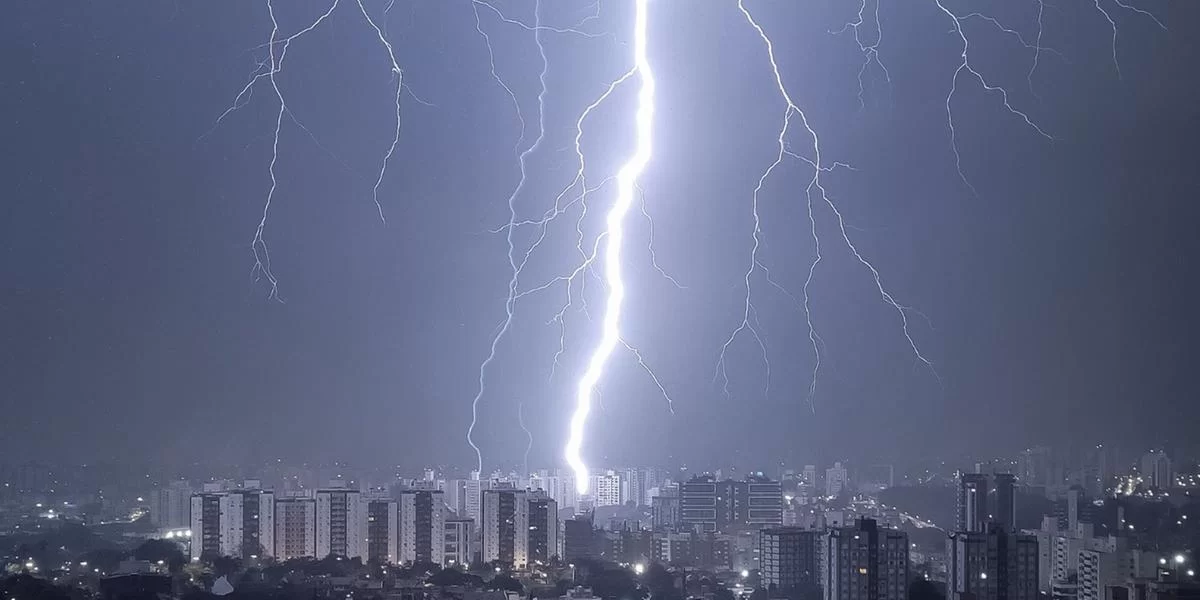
x,y
1179,559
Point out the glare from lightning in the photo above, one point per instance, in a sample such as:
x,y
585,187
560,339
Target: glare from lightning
x,y
600,257
615,231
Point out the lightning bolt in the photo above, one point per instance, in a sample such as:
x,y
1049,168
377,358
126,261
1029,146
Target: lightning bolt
x,y
528,435
615,233
269,70
1112,23
965,66
815,193
510,230
869,50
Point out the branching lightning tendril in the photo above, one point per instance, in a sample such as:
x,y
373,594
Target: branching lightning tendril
x,y
814,190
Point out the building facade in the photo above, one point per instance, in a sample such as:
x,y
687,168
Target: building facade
x,y
422,518
457,547
339,529
381,529
295,528
789,558
865,562
996,565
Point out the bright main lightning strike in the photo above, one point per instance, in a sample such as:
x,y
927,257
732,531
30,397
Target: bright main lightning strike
x,y
615,221
574,196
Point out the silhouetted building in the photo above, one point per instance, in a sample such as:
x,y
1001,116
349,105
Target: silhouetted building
x,y
789,558
865,562
171,506
578,539
835,479
1156,470
542,530
382,529
518,527
996,565
1072,509
665,513
971,512
698,550
1005,513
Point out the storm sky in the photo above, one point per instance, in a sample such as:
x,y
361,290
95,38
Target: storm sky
x,y
1060,299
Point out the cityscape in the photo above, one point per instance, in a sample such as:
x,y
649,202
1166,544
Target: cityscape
x,y
599,300
1098,524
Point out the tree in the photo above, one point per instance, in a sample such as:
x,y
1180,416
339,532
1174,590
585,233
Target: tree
x,y
106,560
452,576
226,565
505,583
28,586
156,550
661,583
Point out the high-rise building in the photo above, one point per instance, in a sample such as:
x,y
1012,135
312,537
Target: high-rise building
x,y
518,527
1005,514
1072,509
454,493
542,530
1035,467
764,503
835,479
422,519
606,489
633,486
381,529
706,504
710,505
206,526
171,506
971,512
865,562
992,565
789,559
665,513
457,548
339,523
238,523
808,480
579,539
473,490
1156,470
295,528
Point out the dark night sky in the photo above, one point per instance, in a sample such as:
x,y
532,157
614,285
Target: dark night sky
x,y
1061,298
